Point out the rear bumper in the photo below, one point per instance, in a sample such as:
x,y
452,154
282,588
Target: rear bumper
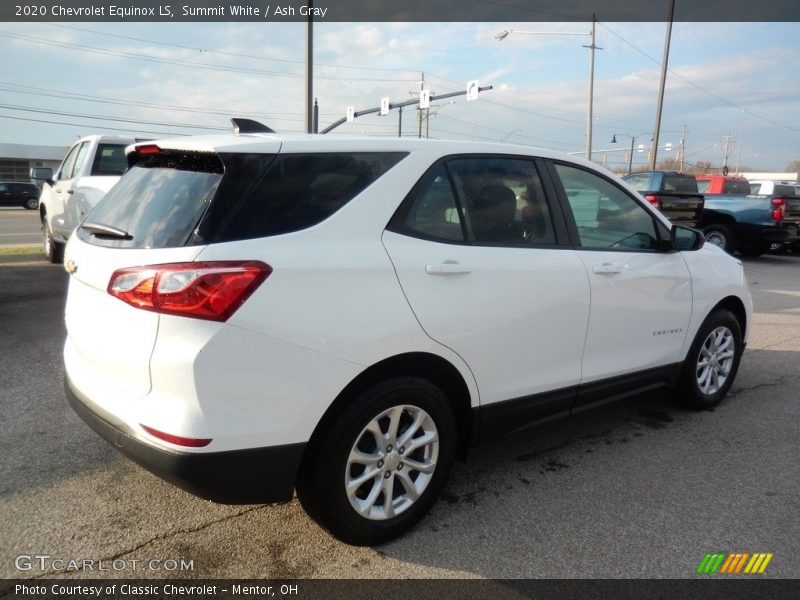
x,y
786,233
252,476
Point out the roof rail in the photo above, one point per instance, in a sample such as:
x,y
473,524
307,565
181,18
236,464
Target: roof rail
x,y
242,126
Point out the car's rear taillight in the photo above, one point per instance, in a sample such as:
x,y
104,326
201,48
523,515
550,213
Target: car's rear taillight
x,y
202,290
653,199
778,209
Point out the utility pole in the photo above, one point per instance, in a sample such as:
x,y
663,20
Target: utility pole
x,y
664,63
310,71
741,137
683,146
592,47
419,110
726,144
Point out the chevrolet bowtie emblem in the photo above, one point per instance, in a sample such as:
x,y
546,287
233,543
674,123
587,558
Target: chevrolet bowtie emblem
x,y
71,267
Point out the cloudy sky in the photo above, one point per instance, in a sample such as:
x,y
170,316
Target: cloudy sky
x,y
62,81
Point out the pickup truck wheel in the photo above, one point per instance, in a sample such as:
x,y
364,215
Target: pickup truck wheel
x,y
382,464
713,360
721,236
53,251
31,203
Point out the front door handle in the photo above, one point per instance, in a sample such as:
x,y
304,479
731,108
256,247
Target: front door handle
x,y
447,268
608,269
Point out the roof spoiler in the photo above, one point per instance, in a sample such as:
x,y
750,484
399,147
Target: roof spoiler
x,y
242,126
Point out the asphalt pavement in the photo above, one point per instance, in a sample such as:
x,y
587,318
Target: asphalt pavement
x,y
19,226
642,488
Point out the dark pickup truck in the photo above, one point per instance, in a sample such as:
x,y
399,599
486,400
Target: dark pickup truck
x,y
674,194
752,224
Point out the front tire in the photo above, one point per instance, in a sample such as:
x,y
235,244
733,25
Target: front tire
x,y
31,203
53,251
713,360
383,464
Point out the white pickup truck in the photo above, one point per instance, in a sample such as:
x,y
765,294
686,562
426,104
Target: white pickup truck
x,y
92,166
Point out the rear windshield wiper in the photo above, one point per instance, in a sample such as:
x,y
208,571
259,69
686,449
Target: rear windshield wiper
x,y
106,231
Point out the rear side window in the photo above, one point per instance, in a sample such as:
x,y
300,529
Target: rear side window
x,y
295,191
109,160
702,186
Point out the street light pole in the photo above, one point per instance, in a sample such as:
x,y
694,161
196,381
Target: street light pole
x,y
633,141
500,36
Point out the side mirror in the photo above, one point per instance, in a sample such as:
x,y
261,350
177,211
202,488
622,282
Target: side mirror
x,y
686,239
42,174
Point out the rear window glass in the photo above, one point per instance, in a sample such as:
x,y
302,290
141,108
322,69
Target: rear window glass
x,y
783,190
109,160
679,183
702,185
175,199
158,202
737,187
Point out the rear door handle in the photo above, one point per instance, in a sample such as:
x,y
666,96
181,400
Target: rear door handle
x,y
608,269
447,268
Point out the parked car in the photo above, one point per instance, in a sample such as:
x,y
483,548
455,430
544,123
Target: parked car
x,y
746,222
91,167
722,184
674,194
19,193
252,314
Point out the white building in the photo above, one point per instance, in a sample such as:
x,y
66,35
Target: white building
x,y
16,160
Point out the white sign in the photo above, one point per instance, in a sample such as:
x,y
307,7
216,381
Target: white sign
x,y
669,146
472,90
425,99
640,148
384,106
351,114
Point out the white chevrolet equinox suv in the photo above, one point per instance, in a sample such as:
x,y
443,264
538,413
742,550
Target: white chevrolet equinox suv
x,y
254,314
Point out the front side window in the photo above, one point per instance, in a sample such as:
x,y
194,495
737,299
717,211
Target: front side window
x,y
79,159
606,217
69,162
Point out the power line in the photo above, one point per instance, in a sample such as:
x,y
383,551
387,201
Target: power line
x,y
184,63
39,91
693,84
233,54
110,118
160,133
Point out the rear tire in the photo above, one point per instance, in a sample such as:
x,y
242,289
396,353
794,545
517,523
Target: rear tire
x,y
53,251
383,463
31,203
713,360
721,236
